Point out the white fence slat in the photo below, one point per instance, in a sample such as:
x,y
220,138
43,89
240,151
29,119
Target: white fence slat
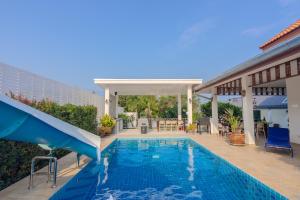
x,y
33,86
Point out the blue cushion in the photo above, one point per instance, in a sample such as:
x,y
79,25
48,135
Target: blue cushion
x,y
278,137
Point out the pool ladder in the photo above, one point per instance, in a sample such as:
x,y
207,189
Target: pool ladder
x,y
51,173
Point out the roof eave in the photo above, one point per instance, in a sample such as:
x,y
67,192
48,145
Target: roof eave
x,y
268,54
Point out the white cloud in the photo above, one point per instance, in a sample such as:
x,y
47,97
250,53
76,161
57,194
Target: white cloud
x,y
257,31
192,34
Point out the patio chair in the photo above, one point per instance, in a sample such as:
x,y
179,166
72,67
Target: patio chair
x,y
278,138
162,125
174,125
168,125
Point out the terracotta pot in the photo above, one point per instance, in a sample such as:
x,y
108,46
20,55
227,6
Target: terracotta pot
x,y
105,130
237,139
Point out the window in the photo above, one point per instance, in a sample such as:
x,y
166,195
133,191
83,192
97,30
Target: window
x,y
256,115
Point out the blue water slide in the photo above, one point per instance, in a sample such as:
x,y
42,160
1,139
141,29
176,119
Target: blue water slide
x,y
20,122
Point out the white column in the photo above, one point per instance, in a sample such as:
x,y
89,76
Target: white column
x,y
248,118
106,101
117,103
190,104
179,114
214,112
293,96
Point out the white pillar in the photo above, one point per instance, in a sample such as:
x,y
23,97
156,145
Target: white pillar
x,y
179,114
214,112
117,103
293,96
248,118
106,101
190,104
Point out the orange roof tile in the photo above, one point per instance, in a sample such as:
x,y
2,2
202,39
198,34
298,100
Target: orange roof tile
x,y
282,33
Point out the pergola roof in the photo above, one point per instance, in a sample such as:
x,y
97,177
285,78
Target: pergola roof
x,y
148,86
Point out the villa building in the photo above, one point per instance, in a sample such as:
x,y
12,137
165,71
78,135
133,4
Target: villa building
x,y
273,72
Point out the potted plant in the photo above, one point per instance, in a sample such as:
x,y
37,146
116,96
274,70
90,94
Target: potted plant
x,y
236,137
191,128
107,123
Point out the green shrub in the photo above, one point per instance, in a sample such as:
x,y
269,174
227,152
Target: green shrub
x,y
107,121
191,128
124,117
15,157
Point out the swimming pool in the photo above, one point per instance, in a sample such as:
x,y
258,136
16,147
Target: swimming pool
x,y
162,169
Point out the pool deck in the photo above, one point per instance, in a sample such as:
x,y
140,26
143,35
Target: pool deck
x,y
277,170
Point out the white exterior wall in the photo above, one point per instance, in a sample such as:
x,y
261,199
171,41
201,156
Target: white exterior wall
x,y
293,93
278,116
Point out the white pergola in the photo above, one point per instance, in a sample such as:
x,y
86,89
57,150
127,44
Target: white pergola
x,y
158,87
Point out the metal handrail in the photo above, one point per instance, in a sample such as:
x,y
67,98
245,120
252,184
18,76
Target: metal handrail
x,y
52,170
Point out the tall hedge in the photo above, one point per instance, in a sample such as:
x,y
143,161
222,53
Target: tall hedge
x,y
15,157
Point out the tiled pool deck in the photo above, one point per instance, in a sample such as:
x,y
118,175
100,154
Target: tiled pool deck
x,y
277,170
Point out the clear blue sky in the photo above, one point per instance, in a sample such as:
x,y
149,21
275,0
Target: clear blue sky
x,y
76,41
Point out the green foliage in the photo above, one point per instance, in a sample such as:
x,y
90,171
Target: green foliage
x,y
143,105
107,121
191,128
167,107
84,117
124,117
222,107
15,157
197,116
162,107
233,121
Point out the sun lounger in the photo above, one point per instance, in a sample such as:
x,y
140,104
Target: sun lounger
x,y
278,138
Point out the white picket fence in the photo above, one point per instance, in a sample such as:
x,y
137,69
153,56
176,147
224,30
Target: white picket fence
x,y
32,86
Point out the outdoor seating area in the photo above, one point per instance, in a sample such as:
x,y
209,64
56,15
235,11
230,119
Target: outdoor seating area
x,y
274,138
170,125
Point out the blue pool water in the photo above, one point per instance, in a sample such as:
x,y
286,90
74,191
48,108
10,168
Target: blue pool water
x,y
162,169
